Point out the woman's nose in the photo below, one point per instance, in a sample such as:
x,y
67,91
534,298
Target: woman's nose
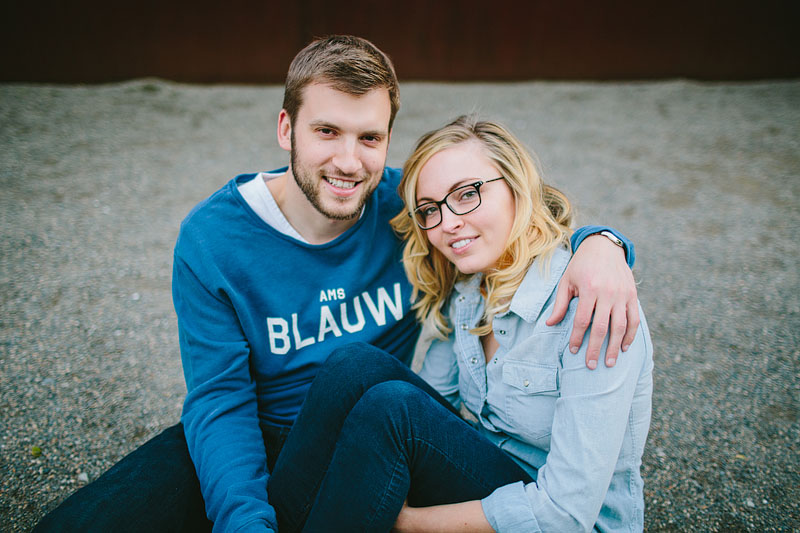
x,y
450,221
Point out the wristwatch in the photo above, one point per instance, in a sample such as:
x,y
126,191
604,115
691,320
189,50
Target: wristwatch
x,y
613,238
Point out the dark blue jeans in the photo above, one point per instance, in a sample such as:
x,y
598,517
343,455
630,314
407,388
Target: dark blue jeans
x,y
154,488
371,433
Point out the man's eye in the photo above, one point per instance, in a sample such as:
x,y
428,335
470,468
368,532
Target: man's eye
x,y
326,131
371,138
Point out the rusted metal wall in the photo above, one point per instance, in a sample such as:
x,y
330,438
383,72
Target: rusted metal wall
x,y
251,41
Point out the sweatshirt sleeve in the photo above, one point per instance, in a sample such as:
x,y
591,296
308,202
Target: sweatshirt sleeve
x,y
583,232
220,412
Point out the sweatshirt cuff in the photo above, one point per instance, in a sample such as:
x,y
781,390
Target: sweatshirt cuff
x,y
256,526
508,511
581,233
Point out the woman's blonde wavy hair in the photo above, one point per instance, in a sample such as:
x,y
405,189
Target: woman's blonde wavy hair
x,y
541,223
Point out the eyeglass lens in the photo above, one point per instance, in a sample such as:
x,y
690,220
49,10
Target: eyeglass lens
x,y
460,201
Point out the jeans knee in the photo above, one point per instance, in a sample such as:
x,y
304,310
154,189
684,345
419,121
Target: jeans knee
x,y
393,399
356,358
347,354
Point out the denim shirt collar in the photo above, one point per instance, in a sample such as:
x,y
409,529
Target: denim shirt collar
x,y
537,286
535,290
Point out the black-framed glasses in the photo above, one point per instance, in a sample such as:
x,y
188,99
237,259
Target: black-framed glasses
x,y
460,201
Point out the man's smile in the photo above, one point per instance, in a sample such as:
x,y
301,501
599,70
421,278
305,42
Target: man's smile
x,y
340,183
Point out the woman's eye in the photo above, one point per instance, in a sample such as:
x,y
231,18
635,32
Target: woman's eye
x,y
468,194
428,211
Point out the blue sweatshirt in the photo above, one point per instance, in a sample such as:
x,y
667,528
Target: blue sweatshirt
x,y
258,313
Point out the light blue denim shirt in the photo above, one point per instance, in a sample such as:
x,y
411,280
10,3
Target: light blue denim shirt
x,y
580,433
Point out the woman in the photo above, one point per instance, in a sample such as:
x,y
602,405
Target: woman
x,y
554,446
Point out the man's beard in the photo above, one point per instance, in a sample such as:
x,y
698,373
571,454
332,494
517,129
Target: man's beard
x,y
308,183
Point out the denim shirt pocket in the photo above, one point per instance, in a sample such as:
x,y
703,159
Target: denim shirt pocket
x,y
531,393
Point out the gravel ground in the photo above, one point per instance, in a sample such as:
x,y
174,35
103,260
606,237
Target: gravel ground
x,y
703,177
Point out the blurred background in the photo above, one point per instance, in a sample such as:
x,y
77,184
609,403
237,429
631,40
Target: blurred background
x,y
676,122
253,41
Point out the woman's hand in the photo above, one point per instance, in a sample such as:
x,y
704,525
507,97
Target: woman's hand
x,y
601,279
465,517
405,519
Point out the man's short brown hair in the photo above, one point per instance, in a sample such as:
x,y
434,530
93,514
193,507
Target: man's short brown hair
x,y
346,63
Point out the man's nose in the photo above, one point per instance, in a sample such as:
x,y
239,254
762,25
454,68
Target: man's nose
x,y
347,158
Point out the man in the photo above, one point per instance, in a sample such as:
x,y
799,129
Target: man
x,y
272,273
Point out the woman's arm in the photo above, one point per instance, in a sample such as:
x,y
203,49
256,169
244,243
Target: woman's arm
x,y
465,517
440,370
599,427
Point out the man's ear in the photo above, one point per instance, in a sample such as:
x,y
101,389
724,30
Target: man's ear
x,y
284,130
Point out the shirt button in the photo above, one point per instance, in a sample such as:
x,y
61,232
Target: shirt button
x,y
526,383
464,327
460,298
501,331
473,360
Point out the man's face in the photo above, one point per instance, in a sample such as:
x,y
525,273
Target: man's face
x,y
338,148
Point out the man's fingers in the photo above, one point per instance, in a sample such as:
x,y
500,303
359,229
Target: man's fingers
x,y
561,305
632,324
616,333
598,334
583,318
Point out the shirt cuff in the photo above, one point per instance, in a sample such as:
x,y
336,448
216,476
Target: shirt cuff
x,y
583,232
508,510
256,526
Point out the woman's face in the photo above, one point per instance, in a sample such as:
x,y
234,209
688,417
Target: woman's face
x,y
475,241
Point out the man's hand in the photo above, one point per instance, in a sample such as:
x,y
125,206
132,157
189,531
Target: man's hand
x,y
599,276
